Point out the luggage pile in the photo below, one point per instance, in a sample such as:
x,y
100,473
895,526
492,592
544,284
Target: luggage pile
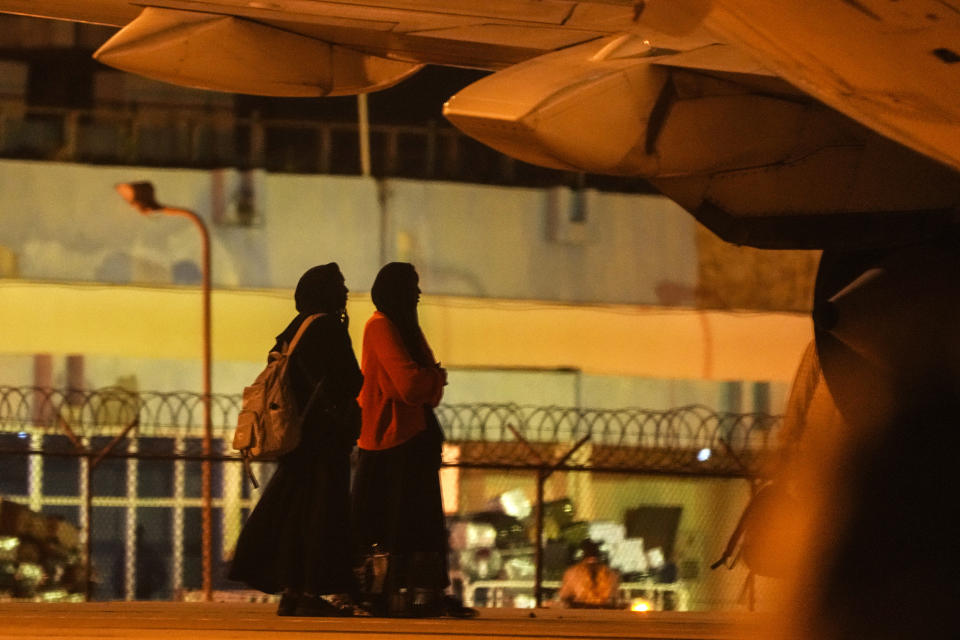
x,y
40,556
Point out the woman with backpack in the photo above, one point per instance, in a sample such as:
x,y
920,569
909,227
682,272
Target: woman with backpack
x,y
297,541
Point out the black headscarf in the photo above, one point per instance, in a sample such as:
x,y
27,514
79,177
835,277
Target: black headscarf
x,y
320,290
394,294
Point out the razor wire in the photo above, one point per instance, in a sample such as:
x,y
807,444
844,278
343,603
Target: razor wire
x,y
684,440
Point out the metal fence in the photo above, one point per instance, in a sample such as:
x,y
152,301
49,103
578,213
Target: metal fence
x,y
522,485
207,137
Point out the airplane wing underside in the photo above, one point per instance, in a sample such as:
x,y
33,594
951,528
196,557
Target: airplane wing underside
x,y
893,66
490,35
796,124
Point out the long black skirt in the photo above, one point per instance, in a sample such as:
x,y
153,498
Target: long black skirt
x,y
397,506
298,537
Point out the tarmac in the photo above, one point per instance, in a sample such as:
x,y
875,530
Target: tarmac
x,y
238,621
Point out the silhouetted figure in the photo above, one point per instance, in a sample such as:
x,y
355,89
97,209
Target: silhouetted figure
x,y
397,504
150,570
298,539
590,584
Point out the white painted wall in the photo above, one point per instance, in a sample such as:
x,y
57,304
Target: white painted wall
x,y
65,222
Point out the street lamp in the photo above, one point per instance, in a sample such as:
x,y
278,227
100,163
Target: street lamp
x,y
141,196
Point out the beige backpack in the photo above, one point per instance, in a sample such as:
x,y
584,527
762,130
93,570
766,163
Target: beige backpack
x,y
270,420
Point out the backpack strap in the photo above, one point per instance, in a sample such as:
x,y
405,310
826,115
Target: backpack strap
x,y
303,327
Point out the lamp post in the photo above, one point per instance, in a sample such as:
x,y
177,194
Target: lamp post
x,y
141,196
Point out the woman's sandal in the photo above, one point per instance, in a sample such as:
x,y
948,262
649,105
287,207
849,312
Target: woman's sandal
x,y
322,607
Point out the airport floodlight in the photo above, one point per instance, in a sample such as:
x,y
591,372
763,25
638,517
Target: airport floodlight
x,y
139,195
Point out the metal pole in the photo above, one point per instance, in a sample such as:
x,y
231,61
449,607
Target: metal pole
x,y
364,129
179,482
88,529
35,479
130,522
207,425
543,472
542,475
206,469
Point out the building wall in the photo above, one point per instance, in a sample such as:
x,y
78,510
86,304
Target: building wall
x,y
530,295
497,350
65,222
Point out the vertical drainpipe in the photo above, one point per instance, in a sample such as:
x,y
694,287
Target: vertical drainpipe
x,y
363,122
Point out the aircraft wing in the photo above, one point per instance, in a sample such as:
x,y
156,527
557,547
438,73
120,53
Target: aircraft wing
x,y
794,124
893,66
491,34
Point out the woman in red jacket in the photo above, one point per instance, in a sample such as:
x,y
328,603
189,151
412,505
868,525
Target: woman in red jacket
x,y
397,504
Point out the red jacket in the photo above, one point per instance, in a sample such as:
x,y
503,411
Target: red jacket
x,y
395,388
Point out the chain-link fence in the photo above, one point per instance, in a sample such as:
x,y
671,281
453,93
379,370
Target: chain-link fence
x,y
660,490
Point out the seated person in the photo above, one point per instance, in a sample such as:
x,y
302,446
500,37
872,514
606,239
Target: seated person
x,y
590,584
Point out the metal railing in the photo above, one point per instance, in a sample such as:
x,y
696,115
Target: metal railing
x,y
208,137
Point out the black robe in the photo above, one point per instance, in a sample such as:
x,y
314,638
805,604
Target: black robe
x,y
397,506
299,535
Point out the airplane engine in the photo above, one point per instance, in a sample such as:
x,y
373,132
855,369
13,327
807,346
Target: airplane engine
x,y
621,106
584,109
885,326
227,53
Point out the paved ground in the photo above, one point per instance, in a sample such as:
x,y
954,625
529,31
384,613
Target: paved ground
x,y
170,620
